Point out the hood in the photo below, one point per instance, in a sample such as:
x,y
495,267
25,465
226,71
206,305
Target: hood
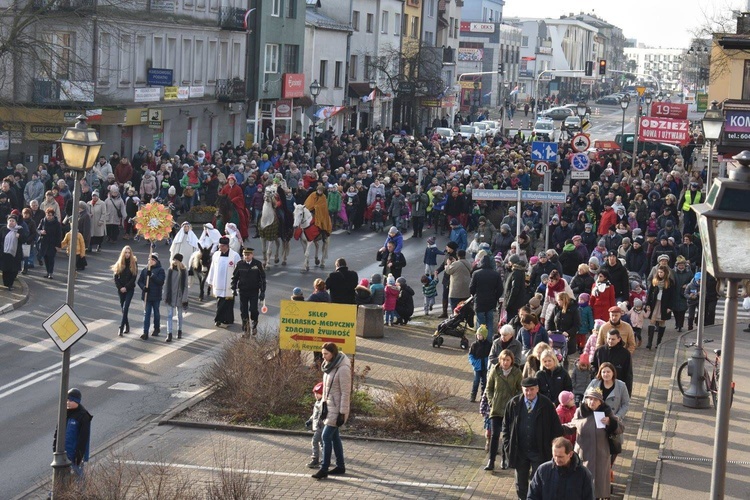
x,y
486,262
570,247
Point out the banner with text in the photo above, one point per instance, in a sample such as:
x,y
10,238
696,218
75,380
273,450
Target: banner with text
x,y
306,326
665,130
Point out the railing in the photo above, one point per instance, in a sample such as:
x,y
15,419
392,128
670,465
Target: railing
x,y
45,91
232,18
231,90
65,5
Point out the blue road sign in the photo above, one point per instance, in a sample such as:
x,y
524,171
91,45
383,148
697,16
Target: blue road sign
x,y
544,151
580,162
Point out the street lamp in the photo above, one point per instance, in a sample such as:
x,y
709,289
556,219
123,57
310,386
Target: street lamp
x,y
80,146
624,103
581,109
637,131
475,100
314,92
723,221
648,99
697,396
373,85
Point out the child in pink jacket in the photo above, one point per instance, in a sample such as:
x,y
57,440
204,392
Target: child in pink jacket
x,y
391,296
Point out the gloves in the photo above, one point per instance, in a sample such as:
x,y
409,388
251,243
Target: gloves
x,y
148,272
146,289
308,424
340,420
185,305
262,297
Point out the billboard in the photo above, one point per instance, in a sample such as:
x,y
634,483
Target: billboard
x,y
471,55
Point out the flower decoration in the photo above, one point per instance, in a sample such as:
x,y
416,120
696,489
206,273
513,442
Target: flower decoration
x,y
154,221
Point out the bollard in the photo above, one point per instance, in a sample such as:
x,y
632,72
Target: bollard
x,y
370,321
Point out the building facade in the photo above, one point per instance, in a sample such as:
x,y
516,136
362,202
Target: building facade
x,y
662,65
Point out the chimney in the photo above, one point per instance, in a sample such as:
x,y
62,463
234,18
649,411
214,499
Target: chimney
x,y
743,23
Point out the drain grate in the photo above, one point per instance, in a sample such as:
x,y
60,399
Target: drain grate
x,y
672,458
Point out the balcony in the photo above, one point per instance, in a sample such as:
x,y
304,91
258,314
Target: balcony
x,y
449,55
79,6
232,18
231,90
46,91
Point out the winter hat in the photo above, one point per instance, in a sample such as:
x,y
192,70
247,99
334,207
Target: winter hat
x,y
514,259
297,292
565,397
393,231
594,261
697,276
601,243
454,222
318,389
533,260
583,359
637,303
594,392
544,277
452,245
584,298
482,331
498,257
75,395
178,257
534,302
376,279
391,280
401,281
626,240
364,282
431,240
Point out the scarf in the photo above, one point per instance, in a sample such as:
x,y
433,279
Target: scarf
x,y
10,244
559,287
506,372
329,367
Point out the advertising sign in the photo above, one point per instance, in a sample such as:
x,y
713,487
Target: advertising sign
x,y
159,76
147,94
170,93
665,130
183,93
284,108
197,91
306,326
701,102
293,85
471,55
736,125
669,110
155,119
467,27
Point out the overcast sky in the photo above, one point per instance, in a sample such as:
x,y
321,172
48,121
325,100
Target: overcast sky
x,y
656,23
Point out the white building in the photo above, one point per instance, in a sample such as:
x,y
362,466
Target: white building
x,y
664,65
535,53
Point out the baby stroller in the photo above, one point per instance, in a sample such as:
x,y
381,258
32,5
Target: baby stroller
x,y
559,343
456,324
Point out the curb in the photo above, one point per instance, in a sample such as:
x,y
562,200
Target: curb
x,y
20,302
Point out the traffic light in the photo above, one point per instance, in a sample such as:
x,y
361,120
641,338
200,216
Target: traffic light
x,y
500,68
589,68
603,67
703,74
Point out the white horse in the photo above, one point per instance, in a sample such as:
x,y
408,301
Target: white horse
x,y
270,229
303,220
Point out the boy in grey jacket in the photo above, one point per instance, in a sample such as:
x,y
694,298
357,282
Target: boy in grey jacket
x,y
315,423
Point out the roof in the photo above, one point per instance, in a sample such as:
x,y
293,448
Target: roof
x,y
315,18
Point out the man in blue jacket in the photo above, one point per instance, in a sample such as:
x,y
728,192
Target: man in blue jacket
x,y
458,235
562,478
151,282
77,433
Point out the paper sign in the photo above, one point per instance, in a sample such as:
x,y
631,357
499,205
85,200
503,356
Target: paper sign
x,y
598,416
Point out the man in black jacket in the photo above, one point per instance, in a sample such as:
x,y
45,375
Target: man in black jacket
x,y
618,276
562,478
249,278
615,352
487,286
341,283
515,288
529,426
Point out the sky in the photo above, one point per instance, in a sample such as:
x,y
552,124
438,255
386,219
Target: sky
x,y
656,23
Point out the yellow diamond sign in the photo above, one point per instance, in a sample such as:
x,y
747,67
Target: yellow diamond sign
x,y
64,327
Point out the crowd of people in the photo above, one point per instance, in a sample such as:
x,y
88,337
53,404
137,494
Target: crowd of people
x,y
622,261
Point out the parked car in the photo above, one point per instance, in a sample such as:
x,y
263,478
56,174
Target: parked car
x,y
574,107
469,130
484,129
609,100
557,113
446,134
544,129
647,145
493,126
572,124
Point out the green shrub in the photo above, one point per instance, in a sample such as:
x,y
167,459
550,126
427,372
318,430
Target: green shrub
x,y
282,421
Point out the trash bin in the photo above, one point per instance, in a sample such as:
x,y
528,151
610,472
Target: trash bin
x,y
370,321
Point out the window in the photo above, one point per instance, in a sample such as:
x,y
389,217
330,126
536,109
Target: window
x,y
337,74
140,54
455,28
213,57
105,53
200,60
397,24
291,9
431,8
450,26
272,58
524,41
157,52
125,50
323,77
428,38
405,27
370,22
187,60
276,9
355,20
58,65
369,71
746,81
291,58
415,27
353,68
384,23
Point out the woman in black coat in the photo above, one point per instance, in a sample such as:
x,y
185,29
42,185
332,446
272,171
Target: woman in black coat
x,y
405,302
582,282
50,237
660,302
565,318
553,378
12,236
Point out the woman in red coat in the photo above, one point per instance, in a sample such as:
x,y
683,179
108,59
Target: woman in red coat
x,y
234,193
602,296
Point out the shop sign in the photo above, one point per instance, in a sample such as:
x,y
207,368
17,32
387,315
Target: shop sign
x,y
147,94
170,93
293,85
284,108
196,91
468,27
160,76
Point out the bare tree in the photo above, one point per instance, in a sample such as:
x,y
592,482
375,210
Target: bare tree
x,y
720,20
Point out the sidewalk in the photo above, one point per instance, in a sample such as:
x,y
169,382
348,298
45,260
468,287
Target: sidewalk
x,y
10,301
686,449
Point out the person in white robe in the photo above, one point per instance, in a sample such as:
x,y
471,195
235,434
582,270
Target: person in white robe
x,y
223,263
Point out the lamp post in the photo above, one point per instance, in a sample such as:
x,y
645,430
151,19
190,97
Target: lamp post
x,y
475,100
80,146
373,85
723,221
696,52
696,396
638,112
648,99
314,92
624,103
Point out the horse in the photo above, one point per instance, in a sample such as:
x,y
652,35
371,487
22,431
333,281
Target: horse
x,y
200,263
309,234
271,230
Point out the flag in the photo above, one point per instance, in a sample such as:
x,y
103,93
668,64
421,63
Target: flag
x,y
94,115
328,111
370,96
514,91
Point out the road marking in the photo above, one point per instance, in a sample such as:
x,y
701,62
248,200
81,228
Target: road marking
x,y
122,386
339,231
184,394
196,360
164,350
45,374
94,383
279,273
39,346
367,480
368,235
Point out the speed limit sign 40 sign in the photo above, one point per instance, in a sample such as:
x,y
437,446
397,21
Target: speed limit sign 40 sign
x,y
541,167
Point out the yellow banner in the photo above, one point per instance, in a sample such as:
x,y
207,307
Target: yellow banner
x,y
170,93
306,326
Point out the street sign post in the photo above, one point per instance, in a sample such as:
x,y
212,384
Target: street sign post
x,y
305,326
541,168
544,151
580,162
579,174
512,195
580,143
64,327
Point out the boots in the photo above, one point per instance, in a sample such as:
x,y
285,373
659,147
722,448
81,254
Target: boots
x,y
661,330
179,334
144,336
651,329
445,309
169,337
490,465
119,331
127,327
255,328
156,332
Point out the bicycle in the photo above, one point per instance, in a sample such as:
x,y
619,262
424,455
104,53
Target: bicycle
x,y
684,373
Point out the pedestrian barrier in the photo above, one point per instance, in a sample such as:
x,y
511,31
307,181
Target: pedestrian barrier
x,y
370,321
597,112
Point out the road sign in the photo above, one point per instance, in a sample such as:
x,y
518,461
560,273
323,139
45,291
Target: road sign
x,y
580,162
64,327
583,174
541,168
546,151
669,110
640,89
512,195
306,326
580,143
585,124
